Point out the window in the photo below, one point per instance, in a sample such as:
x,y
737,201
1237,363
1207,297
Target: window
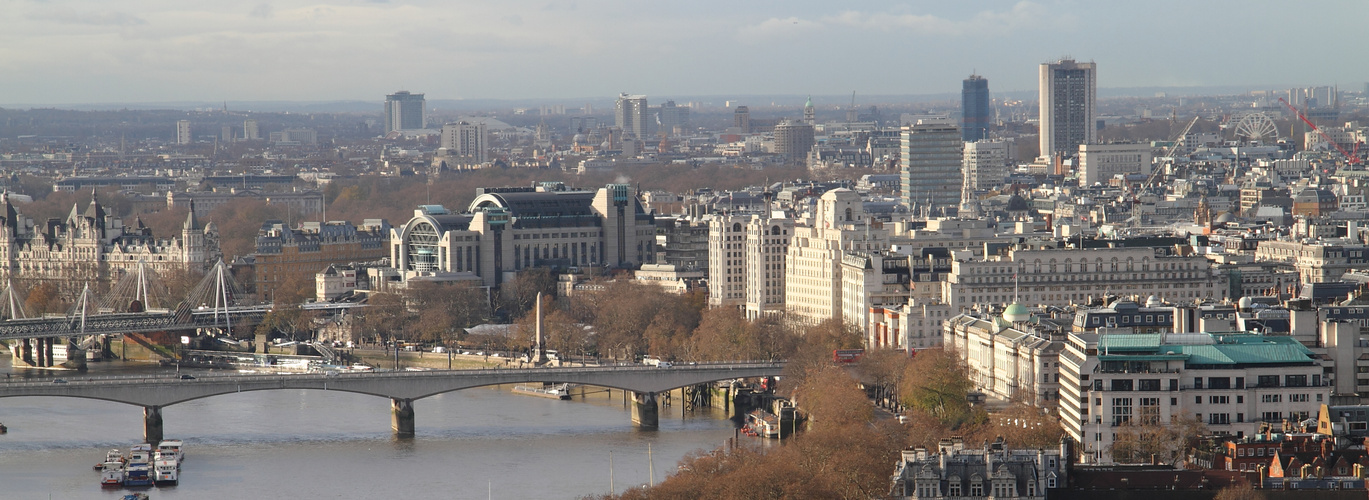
x,y
1121,411
1295,380
1148,412
1271,398
1271,416
1050,483
955,487
1121,385
1198,383
1219,418
1297,398
976,488
1219,382
1197,400
1240,382
1240,399
1149,384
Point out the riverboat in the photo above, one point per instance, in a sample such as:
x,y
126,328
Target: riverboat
x,y
170,449
551,392
167,471
138,474
112,473
135,496
762,423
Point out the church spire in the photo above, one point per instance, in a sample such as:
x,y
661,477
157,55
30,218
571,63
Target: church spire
x,y
190,222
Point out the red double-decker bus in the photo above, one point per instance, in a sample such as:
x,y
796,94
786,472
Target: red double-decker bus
x,y
847,355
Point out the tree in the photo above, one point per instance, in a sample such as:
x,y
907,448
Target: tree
x,y
1141,442
286,316
436,311
882,369
519,295
44,298
1240,491
938,382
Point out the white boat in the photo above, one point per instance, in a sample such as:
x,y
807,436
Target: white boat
x,y
167,471
552,392
140,454
170,449
112,473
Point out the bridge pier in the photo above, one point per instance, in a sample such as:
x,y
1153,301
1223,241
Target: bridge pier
x,y
76,356
402,417
152,424
645,413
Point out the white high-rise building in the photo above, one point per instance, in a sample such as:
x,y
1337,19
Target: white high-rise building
x,y
250,130
1069,115
931,163
467,140
986,163
1101,162
405,111
726,260
183,132
812,291
631,115
767,247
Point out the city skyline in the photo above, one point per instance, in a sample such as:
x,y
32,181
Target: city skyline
x,y
145,51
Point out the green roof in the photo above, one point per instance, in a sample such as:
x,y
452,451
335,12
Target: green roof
x,y
1228,349
1129,342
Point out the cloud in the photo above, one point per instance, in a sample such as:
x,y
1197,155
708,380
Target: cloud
x,y
1022,15
69,16
262,11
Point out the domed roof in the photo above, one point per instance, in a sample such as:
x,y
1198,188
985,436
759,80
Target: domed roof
x,y
1223,218
1016,312
1017,203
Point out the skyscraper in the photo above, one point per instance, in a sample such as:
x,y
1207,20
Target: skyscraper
x,y
250,130
405,111
630,115
1068,114
467,140
793,139
974,108
742,119
931,165
183,132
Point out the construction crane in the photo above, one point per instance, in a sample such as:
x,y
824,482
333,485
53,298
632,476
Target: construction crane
x,y
1169,153
1353,159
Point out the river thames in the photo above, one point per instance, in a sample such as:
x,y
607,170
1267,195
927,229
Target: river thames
x,y
476,443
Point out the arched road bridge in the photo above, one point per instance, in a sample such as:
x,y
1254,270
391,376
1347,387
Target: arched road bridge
x,y
402,388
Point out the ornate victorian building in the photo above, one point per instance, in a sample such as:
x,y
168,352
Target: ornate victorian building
x,y
95,245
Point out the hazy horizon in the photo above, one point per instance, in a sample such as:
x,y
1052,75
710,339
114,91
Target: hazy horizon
x,y
159,51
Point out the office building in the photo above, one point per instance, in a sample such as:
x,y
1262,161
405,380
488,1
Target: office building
x,y
1099,163
506,230
741,118
986,163
630,115
405,111
1232,383
975,112
726,260
467,141
183,132
767,244
1069,115
671,116
250,130
1008,359
813,266
793,140
1062,277
931,164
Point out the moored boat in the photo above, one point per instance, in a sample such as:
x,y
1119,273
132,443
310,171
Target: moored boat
x,y
138,474
167,471
112,473
170,449
551,392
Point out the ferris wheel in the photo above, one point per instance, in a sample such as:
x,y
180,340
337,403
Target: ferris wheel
x,y
1256,127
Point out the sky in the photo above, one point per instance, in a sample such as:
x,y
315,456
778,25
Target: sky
x,y
111,51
